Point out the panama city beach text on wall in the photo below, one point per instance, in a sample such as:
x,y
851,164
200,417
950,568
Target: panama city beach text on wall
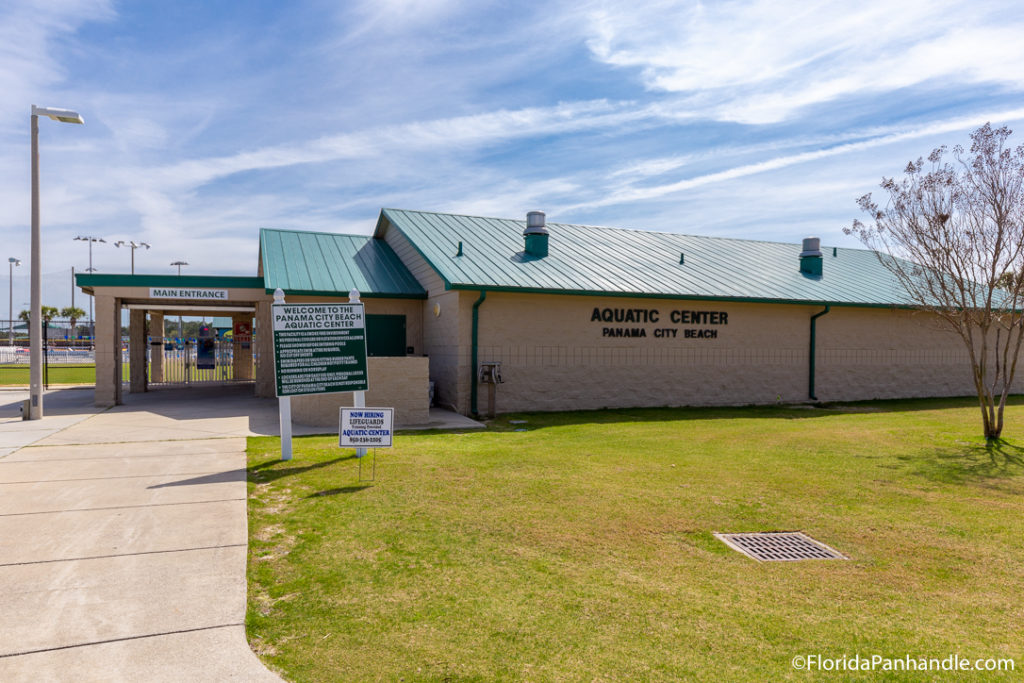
x,y
683,321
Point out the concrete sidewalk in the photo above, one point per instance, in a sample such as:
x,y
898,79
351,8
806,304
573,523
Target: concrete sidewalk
x,y
123,538
63,409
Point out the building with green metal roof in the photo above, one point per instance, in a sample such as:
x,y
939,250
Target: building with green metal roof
x,y
500,314
520,314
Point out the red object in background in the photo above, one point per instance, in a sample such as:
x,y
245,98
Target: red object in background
x,y
242,333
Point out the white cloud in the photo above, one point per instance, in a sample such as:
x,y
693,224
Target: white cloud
x,y
625,192
29,56
761,61
441,136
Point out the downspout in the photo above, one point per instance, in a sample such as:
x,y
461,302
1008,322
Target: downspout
x,y
810,369
473,354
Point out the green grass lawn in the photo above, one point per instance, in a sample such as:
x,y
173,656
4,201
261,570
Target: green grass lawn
x,y
582,548
58,374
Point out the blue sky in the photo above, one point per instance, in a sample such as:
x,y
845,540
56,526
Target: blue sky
x,y
208,120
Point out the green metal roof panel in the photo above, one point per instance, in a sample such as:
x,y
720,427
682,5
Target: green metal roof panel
x,y
324,263
618,262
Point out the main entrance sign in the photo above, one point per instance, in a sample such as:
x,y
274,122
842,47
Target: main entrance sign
x,y
188,293
319,348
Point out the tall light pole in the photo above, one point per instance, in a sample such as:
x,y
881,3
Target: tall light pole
x,y
11,263
35,379
90,239
134,245
92,323
181,332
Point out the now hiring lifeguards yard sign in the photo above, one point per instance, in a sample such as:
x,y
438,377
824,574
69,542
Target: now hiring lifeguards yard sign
x,y
319,348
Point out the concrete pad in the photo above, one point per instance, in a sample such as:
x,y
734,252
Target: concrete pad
x,y
63,409
197,449
91,494
172,658
122,555
23,471
171,414
446,419
99,533
79,602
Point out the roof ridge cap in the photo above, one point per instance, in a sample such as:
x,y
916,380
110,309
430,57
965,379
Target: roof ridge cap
x,y
316,232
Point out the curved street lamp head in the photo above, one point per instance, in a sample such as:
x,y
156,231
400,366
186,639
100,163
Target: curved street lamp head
x,y
133,244
63,115
14,261
90,239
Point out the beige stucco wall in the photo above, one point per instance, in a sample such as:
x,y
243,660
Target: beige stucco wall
x,y
108,350
446,338
880,353
397,382
446,319
554,357
263,351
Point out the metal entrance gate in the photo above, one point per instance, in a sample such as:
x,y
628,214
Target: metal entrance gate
x,y
184,364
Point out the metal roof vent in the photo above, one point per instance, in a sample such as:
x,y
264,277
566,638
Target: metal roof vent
x,y
811,256
536,234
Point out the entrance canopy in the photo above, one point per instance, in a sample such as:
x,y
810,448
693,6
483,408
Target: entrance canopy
x,y
158,296
176,294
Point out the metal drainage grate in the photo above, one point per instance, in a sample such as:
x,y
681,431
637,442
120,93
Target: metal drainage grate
x,y
779,546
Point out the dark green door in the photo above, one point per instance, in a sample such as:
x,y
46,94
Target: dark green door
x,y
385,335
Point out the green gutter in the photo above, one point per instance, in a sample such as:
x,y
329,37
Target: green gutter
x,y
810,369
473,353
344,295
677,297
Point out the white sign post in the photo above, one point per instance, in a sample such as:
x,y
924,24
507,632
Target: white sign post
x,y
358,397
284,404
318,349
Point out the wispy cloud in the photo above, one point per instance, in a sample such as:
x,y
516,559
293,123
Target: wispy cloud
x,y
746,118
29,63
630,193
761,61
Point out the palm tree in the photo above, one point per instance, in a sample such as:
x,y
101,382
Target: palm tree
x,y
73,314
48,312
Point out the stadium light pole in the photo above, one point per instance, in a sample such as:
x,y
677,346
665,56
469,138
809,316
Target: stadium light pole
x,y
134,245
181,333
90,239
92,323
11,263
35,379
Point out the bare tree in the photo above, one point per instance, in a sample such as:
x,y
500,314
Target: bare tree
x,y
952,233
